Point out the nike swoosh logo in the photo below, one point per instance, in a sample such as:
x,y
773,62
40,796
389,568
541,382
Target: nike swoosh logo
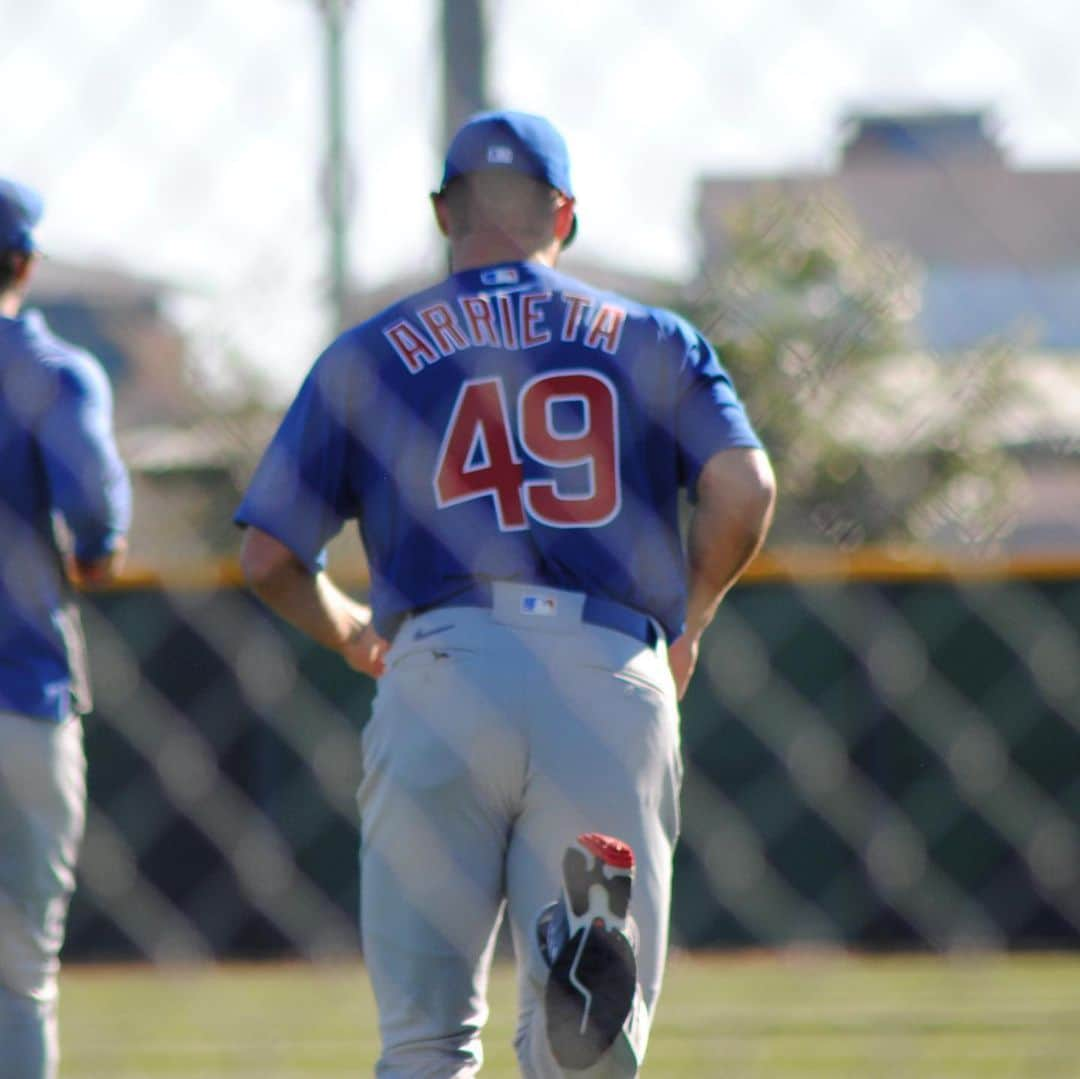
x,y
422,634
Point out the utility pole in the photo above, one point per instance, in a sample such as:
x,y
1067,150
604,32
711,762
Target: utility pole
x,y
337,172
464,63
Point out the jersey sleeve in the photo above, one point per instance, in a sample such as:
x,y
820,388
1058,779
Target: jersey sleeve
x,y
301,492
88,483
709,417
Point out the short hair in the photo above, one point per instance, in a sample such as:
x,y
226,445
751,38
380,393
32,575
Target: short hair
x,y
11,262
502,201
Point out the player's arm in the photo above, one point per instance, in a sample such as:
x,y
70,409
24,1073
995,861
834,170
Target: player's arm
x,y
299,498
88,482
736,492
311,602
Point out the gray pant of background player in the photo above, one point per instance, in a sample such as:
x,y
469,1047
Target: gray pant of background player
x,y
42,811
497,737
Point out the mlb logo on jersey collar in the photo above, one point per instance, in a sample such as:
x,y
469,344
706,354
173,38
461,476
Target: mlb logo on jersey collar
x,y
503,275
537,604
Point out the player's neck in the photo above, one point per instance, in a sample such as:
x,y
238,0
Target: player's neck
x,y
475,251
11,303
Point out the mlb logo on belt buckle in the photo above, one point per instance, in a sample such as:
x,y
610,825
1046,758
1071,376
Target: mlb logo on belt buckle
x,y
534,604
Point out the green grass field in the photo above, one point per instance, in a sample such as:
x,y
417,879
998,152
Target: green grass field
x,y
726,1016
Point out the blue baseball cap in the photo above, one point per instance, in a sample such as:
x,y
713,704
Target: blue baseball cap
x,y
505,139
20,210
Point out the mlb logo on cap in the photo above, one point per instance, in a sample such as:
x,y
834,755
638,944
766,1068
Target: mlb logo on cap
x,y
543,605
500,155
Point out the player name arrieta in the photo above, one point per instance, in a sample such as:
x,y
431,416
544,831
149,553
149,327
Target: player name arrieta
x,y
505,320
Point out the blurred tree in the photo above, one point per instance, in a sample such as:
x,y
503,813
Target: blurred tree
x,y
872,440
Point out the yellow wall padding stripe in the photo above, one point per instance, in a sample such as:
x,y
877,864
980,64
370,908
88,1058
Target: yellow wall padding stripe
x,y
808,564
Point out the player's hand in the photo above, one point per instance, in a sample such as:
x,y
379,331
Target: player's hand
x,y
682,658
91,573
364,651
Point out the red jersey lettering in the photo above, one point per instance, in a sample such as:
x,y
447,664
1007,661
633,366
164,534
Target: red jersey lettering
x,y
594,446
575,309
507,319
412,347
480,320
443,327
606,328
532,316
477,457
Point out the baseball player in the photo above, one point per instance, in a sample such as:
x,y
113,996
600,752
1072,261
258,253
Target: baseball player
x,y
59,462
512,443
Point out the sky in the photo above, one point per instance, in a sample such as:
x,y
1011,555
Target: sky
x,y
182,139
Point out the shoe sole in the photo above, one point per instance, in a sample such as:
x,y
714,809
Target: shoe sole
x,y
592,982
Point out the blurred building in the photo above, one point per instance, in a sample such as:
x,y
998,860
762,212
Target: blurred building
x,y
1000,246
123,319
999,252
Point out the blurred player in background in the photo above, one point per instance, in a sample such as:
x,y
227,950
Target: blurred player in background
x,y
60,475
513,442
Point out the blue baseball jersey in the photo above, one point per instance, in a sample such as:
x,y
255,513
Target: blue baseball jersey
x,y
510,423
59,457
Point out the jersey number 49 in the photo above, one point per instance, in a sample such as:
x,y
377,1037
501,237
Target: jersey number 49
x,y
479,459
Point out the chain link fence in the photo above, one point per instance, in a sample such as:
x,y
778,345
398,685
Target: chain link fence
x,y
869,763
878,755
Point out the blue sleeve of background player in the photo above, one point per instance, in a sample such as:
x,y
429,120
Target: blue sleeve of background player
x,y
88,482
709,416
302,491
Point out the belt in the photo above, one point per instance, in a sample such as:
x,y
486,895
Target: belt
x,y
595,611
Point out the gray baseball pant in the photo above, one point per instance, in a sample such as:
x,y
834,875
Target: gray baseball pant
x,y
42,813
497,737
